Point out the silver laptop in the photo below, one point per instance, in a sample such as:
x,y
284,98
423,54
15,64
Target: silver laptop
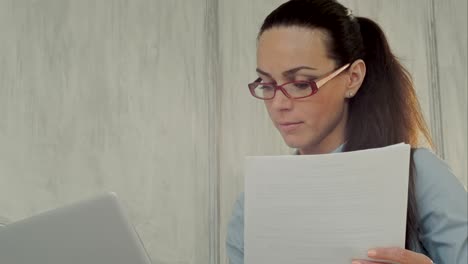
x,y
96,231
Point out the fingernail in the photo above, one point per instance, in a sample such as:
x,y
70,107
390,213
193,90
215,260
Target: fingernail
x,y
371,253
356,262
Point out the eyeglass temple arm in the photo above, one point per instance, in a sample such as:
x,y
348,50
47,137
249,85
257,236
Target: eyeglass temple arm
x,y
331,76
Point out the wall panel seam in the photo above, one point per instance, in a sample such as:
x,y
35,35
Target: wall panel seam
x,y
435,109
213,78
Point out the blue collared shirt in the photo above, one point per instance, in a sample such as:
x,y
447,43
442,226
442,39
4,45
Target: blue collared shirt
x,y
442,204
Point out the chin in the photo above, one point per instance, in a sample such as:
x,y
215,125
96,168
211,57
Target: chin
x,y
296,141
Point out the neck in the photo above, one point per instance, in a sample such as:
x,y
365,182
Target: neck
x,y
320,149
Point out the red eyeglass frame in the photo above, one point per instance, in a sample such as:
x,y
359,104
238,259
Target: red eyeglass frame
x,y
314,84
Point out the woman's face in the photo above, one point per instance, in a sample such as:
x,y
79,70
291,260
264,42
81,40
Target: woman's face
x,y
314,124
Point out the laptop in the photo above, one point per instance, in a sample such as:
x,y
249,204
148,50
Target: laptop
x,y
95,231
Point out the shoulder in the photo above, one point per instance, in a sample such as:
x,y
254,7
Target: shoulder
x,y
442,206
435,183
235,233
433,174
427,161
237,216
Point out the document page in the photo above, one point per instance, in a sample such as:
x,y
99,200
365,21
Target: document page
x,y
331,208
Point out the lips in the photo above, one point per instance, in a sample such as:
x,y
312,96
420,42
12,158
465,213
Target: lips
x,y
289,126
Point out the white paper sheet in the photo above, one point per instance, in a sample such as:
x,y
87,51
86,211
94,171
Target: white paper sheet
x,y
325,208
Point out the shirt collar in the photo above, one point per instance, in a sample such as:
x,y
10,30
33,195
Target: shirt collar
x,y
337,150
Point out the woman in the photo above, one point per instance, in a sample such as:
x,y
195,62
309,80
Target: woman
x,y
330,83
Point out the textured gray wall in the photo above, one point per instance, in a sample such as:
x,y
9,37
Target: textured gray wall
x,y
110,95
148,98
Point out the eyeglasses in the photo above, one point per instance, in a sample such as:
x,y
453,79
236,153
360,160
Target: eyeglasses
x,y
293,90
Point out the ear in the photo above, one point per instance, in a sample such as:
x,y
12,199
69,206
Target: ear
x,y
356,74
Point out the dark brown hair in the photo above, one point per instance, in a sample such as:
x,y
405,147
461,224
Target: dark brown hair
x,y
385,110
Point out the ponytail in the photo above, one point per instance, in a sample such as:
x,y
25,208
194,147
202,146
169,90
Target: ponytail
x,y
386,111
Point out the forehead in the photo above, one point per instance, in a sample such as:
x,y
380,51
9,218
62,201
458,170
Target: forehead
x,y
290,46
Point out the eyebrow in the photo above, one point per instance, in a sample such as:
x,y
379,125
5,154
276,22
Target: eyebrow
x,y
288,72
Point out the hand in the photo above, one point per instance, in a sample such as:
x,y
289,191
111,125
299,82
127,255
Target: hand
x,y
398,255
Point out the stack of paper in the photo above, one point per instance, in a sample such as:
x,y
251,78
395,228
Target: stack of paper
x,y
325,208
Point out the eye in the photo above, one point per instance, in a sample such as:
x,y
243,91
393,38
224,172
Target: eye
x,y
302,85
265,87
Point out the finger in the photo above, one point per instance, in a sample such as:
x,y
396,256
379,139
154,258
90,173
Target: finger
x,y
399,255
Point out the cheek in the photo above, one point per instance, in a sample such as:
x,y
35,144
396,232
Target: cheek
x,y
268,107
321,109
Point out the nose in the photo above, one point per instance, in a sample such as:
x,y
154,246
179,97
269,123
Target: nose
x,y
281,102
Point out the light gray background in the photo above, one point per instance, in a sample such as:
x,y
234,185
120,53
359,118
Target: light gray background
x,y
148,98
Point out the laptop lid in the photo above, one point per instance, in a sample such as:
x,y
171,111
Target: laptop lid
x,y
92,231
